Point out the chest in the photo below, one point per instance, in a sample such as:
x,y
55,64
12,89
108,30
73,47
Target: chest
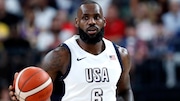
x,y
86,69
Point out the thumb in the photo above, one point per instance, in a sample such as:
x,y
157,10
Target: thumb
x,y
15,76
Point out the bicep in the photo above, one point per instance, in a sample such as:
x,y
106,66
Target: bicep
x,y
124,81
55,61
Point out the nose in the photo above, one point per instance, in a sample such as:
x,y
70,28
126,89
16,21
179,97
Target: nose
x,y
91,21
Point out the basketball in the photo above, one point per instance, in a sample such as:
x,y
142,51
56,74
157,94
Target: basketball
x,y
33,84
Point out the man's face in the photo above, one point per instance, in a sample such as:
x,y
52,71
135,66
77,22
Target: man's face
x,y
90,22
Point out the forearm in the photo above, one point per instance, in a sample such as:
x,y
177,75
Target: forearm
x,y
126,96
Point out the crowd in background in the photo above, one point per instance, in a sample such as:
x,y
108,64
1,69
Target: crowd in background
x,y
149,29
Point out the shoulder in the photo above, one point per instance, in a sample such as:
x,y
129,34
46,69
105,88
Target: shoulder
x,y
57,52
56,60
125,58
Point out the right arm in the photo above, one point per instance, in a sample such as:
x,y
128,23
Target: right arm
x,y
55,61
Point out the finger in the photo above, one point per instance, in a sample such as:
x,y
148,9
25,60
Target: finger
x,y
15,75
10,87
12,95
13,98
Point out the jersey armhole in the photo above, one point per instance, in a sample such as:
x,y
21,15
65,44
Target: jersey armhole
x,y
69,65
118,55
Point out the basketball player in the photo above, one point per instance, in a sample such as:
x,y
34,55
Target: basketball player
x,y
91,67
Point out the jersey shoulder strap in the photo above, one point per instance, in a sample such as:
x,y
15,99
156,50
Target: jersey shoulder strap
x,y
69,65
118,55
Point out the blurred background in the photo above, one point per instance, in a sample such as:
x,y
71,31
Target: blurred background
x,y
149,29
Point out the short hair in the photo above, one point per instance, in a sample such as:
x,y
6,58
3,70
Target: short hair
x,y
89,2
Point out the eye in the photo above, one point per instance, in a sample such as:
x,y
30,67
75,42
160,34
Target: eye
x,y
97,17
85,17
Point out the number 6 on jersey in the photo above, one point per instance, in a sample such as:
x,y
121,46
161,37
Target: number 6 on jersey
x,y
97,94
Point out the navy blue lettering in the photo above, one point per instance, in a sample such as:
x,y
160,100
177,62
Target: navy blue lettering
x,y
96,75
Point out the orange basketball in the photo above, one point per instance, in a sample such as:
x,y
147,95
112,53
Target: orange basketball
x,y
33,84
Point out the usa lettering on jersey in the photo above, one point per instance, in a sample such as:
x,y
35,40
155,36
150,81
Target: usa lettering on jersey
x,y
96,75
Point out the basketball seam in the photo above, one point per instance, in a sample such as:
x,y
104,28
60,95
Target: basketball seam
x,y
30,78
16,84
36,90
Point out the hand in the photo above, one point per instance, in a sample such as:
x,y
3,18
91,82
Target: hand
x,y
12,89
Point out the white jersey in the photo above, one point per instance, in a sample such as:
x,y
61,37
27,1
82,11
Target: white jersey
x,y
91,77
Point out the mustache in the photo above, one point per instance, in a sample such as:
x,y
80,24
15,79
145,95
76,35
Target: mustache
x,y
92,28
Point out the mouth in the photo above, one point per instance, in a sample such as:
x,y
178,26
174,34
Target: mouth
x,y
92,30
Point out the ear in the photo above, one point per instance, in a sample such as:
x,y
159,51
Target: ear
x,y
104,19
76,22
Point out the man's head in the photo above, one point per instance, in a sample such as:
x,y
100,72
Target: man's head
x,y
90,22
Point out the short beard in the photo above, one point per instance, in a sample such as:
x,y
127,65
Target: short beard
x,y
91,39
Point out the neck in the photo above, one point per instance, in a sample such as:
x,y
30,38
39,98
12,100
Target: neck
x,y
94,49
